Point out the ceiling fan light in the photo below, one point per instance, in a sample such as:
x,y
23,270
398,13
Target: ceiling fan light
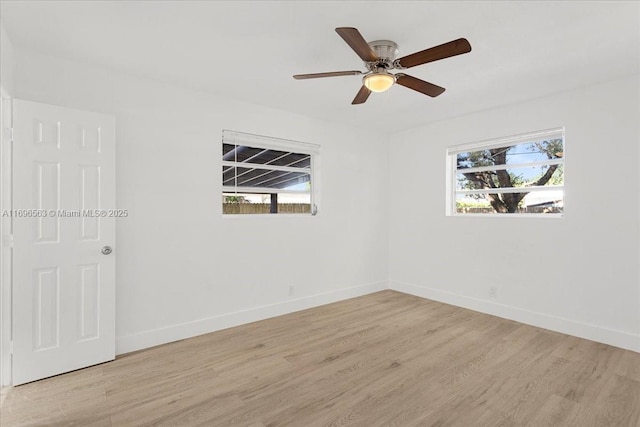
x,y
378,82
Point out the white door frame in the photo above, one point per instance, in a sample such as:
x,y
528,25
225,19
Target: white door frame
x,y
6,154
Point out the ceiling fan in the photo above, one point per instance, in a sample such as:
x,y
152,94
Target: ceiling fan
x,y
380,56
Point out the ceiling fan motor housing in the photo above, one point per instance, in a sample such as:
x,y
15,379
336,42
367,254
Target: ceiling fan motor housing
x,y
386,51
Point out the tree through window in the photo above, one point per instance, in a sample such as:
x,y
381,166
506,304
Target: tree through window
x,y
516,175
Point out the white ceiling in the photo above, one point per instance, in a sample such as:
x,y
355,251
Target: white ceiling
x,y
250,50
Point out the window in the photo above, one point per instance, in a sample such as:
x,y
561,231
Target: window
x,y
263,175
521,175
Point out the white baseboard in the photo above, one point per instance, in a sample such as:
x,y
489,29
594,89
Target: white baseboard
x,y
566,326
154,337
150,338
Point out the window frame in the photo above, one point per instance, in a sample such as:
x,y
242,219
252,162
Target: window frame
x,y
513,140
272,143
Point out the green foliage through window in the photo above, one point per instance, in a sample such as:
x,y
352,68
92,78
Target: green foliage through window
x,y
523,175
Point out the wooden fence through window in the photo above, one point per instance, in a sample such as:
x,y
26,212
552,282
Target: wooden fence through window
x,y
531,209
263,208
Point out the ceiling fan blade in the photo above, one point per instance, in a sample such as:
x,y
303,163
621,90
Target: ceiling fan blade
x,y
419,85
359,45
362,96
447,50
330,74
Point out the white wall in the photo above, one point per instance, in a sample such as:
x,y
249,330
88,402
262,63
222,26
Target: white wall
x,y
6,62
578,274
6,89
182,268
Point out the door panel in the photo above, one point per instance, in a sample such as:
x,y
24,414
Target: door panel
x,y
63,286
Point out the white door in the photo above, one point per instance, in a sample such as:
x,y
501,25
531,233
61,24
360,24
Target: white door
x,y
63,218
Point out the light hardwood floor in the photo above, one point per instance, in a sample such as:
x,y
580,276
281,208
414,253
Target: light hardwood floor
x,y
383,359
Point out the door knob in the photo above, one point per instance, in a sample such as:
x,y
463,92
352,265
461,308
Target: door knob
x,y
106,250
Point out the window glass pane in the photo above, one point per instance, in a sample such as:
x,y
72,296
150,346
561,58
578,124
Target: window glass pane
x,y
477,203
226,148
274,179
538,202
551,201
249,177
263,156
515,177
294,160
526,152
241,153
252,203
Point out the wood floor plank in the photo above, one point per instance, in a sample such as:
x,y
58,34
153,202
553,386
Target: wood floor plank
x,y
385,359
617,404
557,411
